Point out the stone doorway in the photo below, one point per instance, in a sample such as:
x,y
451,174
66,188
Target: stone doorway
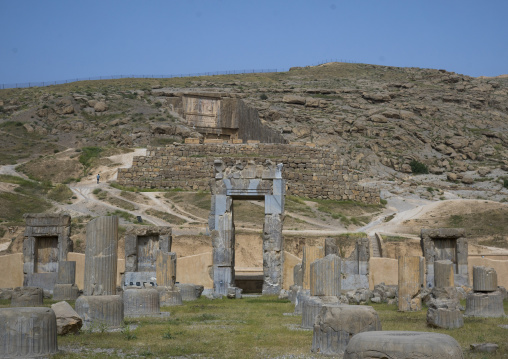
x,y
46,254
240,181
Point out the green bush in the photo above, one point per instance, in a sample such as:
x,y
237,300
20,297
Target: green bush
x,y
88,155
418,167
505,183
263,96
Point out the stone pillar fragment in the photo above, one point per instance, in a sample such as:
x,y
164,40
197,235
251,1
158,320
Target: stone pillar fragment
x,y
65,292
444,308
141,302
325,276
165,266
169,296
485,304
336,324
443,274
190,292
301,296
298,275
101,256
310,254
484,279
411,282
27,332
311,307
27,297
102,309
273,254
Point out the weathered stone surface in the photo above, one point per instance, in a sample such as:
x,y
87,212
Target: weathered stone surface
x,y
27,332
6,293
100,309
310,254
440,315
443,274
359,296
65,292
384,292
312,306
46,243
445,244
411,283
166,269
484,279
484,347
141,302
66,272
293,290
142,244
402,345
325,276
27,297
67,319
298,275
484,304
234,293
301,295
101,256
336,324
169,296
190,291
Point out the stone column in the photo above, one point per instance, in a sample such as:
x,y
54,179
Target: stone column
x,y
101,256
141,302
484,279
443,274
65,287
298,275
310,254
273,254
325,276
411,282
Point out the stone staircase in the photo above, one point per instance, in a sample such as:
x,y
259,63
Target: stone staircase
x,y
376,252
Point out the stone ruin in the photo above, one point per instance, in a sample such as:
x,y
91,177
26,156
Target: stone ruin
x,y
486,300
169,294
65,287
100,304
444,309
47,242
411,283
141,246
246,180
355,268
445,244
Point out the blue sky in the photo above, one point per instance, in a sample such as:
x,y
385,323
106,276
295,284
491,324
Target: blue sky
x,y
58,40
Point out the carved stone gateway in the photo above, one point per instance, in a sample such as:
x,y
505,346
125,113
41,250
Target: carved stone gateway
x,y
445,244
247,181
47,242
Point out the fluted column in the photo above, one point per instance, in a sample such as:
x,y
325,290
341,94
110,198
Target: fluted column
x,y
101,256
310,254
411,272
325,276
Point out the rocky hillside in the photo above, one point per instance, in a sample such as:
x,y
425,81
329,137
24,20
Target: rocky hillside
x,y
395,119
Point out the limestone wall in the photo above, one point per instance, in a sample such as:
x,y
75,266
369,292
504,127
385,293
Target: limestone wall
x,y
309,171
12,267
383,270
195,269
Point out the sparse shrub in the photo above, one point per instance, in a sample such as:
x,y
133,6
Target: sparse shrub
x,y
127,333
418,167
263,96
505,183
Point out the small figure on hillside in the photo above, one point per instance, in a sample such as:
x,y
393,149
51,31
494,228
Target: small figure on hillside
x,y
98,177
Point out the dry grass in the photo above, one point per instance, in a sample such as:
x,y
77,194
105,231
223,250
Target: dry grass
x,y
251,328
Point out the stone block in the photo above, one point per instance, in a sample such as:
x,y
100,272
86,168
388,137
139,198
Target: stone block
x,y
190,292
293,290
484,304
169,296
65,292
444,318
192,141
27,297
139,279
411,283
310,254
45,281
402,345
311,307
325,276
66,272
484,279
301,296
141,302
27,332
298,275
336,324
104,309
67,319
443,274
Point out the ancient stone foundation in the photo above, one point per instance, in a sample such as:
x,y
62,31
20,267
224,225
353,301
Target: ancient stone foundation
x,y
402,345
336,324
27,297
325,276
190,292
310,172
102,309
444,309
487,299
311,307
65,287
169,296
101,256
411,283
27,332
